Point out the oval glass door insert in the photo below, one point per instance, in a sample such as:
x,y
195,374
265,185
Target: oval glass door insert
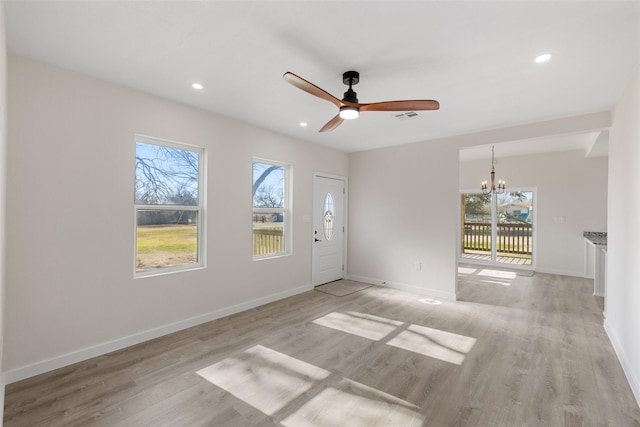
x,y
328,216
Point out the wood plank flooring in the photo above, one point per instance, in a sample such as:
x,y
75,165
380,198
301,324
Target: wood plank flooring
x,y
513,351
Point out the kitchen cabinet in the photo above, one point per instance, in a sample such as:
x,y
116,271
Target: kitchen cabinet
x,y
595,260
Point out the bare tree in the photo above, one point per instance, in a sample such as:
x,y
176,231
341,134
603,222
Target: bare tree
x,y
262,177
166,175
268,197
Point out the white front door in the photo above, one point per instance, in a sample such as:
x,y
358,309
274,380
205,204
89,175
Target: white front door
x,y
328,229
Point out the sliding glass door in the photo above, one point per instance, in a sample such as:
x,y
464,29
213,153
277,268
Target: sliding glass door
x,y
497,228
477,226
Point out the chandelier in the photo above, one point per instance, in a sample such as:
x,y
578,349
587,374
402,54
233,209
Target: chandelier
x,y
500,188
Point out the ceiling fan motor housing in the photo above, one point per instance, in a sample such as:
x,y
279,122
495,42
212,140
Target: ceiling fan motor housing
x,y
350,96
350,78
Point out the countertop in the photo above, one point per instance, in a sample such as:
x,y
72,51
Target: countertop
x,y
596,237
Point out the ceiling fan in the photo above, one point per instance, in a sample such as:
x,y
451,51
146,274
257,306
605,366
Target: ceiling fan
x,y
349,106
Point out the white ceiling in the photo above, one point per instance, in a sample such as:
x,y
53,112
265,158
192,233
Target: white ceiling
x,y
475,57
594,144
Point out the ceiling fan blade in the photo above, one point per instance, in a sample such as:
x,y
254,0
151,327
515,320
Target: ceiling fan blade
x,y
309,87
332,124
416,104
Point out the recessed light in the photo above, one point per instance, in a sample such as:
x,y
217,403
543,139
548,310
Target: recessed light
x,y
303,124
197,86
543,58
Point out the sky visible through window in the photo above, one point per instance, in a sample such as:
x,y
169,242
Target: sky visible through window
x,y
166,175
270,192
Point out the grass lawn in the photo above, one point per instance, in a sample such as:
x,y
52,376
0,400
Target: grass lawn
x,y
166,246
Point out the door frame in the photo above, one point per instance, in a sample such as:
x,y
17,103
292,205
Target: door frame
x,y
492,263
345,180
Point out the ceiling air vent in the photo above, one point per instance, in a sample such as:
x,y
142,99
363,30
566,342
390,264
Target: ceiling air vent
x,y
407,116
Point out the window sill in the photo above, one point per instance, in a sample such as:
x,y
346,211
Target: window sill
x,y
274,256
167,270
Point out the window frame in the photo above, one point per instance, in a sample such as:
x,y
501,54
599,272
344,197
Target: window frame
x,y
285,210
200,208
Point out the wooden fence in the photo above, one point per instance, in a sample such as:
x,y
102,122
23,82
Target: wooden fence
x,y
513,238
267,241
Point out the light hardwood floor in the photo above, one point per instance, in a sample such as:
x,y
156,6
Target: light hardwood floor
x,y
513,351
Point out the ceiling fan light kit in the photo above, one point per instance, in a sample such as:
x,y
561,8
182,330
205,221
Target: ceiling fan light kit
x,y
349,107
349,113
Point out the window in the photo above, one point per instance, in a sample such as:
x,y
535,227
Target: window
x,y
270,209
168,207
328,216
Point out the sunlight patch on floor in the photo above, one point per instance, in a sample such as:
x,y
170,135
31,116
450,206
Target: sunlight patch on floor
x,y
352,404
430,301
360,324
265,379
441,345
496,282
271,381
466,270
498,274
445,346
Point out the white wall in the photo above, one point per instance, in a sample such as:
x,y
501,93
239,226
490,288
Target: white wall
x,y
568,186
623,281
401,201
3,152
70,287
404,205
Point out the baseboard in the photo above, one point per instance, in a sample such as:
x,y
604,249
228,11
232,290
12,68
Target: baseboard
x,y
627,367
3,382
559,272
435,293
118,344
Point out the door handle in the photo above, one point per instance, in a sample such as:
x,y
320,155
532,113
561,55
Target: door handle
x,y
317,240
